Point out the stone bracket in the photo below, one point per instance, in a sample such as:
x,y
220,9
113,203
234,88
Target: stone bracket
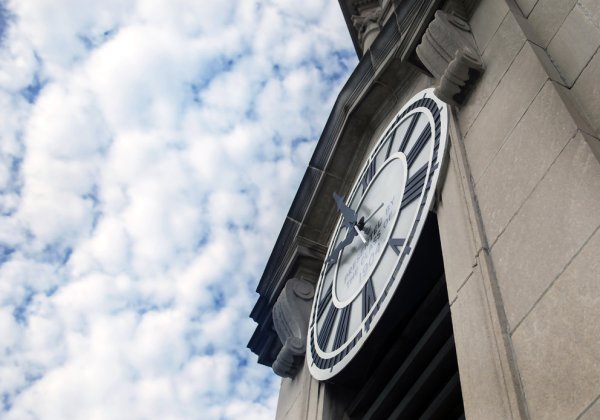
x,y
448,51
291,313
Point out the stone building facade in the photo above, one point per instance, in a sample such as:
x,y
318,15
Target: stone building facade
x,y
517,210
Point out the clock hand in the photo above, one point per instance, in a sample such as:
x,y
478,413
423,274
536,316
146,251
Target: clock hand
x,y
349,216
333,257
373,213
347,213
360,235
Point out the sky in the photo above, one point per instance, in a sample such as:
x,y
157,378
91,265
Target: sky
x,y
149,152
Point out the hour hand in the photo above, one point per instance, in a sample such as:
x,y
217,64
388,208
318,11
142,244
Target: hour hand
x,y
333,257
347,213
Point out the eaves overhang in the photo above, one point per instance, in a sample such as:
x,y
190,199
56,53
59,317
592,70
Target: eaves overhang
x,y
348,10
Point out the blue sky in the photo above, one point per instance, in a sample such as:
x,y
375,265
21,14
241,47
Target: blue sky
x,y
149,151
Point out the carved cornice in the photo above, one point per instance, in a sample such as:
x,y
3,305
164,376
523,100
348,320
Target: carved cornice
x,y
462,8
368,26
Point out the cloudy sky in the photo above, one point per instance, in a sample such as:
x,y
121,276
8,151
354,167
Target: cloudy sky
x,y
149,151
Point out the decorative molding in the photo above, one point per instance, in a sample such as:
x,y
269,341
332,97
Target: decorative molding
x,y
449,52
367,24
290,320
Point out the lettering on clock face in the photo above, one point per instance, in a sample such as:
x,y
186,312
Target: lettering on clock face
x,y
378,209
376,235
367,255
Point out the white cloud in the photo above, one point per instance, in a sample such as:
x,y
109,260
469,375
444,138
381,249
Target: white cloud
x,y
149,155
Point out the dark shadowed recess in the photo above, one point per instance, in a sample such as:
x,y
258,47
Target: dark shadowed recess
x,y
409,368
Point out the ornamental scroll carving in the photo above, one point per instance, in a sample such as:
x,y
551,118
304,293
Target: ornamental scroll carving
x,y
367,22
449,52
290,320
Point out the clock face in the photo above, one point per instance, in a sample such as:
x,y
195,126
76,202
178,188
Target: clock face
x,y
379,226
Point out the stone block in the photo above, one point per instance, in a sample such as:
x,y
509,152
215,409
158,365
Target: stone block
x,y
586,93
547,63
550,227
547,16
515,92
591,9
485,21
523,160
499,54
594,144
574,109
574,44
523,22
556,346
481,376
455,232
593,412
526,6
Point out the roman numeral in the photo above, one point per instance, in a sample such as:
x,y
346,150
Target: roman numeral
x,y
341,333
325,330
329,263
408,134
368,298
368,176
390,144
418,146
324,302
414,186
396,244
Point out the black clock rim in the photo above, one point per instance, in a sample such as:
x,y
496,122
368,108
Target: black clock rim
x,y
328,364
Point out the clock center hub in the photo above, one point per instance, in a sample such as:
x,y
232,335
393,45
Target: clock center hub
x,y
379,206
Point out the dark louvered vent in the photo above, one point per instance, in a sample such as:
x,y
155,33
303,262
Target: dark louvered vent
x,y
414,369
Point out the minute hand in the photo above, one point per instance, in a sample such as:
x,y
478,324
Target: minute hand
x,y
373,213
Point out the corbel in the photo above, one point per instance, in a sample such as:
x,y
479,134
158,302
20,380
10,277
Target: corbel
x,y
448,51
290,320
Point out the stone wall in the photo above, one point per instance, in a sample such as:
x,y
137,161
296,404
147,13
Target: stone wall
x,y
569,32
519,214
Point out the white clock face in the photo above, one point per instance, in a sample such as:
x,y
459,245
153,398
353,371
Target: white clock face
x,y
379,226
